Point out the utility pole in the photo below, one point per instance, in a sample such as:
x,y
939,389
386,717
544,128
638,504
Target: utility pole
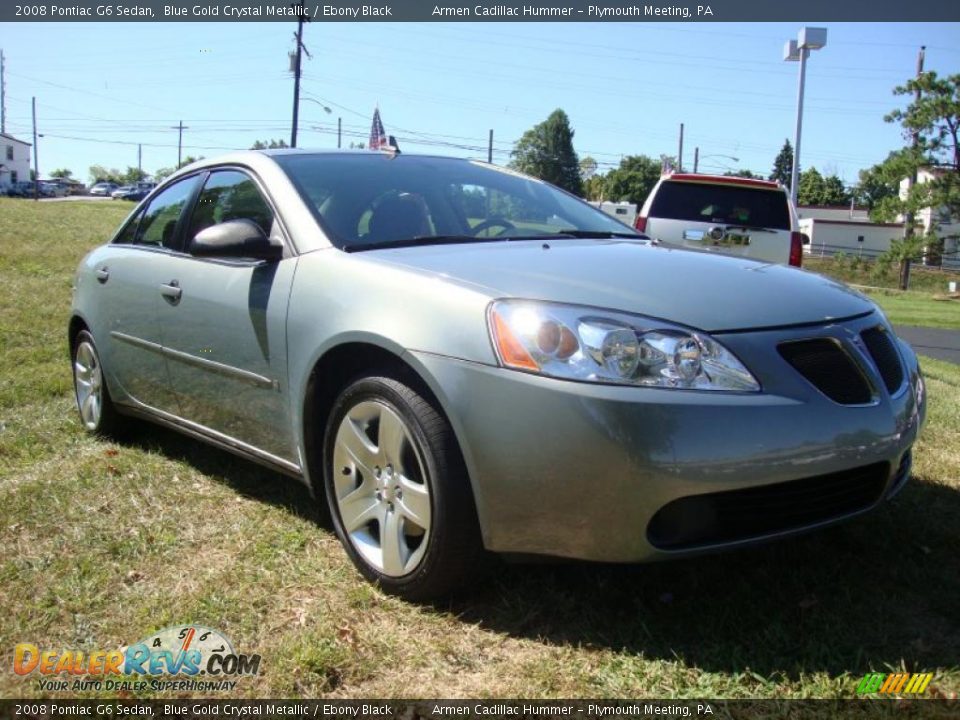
x,y
680,151
140,161
490,148
3,94
36,162
908,217
301,18
696,159
339,131
181,127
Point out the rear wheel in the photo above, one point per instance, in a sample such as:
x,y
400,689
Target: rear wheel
x,y
398,490
97,412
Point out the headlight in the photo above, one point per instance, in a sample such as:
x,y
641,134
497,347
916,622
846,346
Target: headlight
x,y
580,343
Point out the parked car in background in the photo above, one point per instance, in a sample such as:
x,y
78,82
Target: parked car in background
x,y
132,192
17,189
27,189
458,359
52,188
69,187
730,215
103,188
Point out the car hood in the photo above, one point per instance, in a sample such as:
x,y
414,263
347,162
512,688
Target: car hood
x,y
698,289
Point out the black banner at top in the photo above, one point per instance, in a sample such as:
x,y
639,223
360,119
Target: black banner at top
x,y
482,11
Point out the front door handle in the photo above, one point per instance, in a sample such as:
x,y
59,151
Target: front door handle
x,y
171,291
102,274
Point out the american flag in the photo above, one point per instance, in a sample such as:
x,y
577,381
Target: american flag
x,y
378,138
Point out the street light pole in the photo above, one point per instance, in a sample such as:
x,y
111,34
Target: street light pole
x,y
697,156
36,162
795,169
810,38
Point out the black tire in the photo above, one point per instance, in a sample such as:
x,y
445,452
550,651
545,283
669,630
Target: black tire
x,y
106,422
452,552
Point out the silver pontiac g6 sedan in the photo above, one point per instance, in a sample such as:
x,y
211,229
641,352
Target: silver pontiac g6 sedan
x,y
460,360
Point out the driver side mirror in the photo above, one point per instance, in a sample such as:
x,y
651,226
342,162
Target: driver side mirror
x,y
241,239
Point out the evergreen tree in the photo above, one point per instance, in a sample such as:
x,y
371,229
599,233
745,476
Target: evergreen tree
x,y
783,165
546,151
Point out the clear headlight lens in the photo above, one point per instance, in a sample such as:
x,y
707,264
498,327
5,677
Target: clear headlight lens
x,y
579,343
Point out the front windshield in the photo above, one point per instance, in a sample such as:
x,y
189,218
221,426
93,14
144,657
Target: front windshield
x,y
369,200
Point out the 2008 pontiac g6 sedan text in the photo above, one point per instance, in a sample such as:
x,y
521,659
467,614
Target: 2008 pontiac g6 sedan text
x,y
458,359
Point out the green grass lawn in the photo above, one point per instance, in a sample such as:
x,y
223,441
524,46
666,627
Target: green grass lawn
x,y
103,543
927,303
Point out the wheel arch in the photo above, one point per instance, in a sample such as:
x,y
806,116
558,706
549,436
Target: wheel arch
x,y
340,364
76,325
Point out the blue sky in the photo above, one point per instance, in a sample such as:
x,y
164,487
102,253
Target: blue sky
x,y
103,88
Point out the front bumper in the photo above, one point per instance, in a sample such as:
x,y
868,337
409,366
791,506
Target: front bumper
x,y
579,470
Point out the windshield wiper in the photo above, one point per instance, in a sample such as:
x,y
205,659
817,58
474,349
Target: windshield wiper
x,y
573,232
422,240
464,239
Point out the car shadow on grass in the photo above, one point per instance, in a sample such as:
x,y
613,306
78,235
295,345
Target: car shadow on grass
x,y
245,477
880,591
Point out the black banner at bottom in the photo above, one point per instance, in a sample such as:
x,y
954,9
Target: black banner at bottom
x,y
480,709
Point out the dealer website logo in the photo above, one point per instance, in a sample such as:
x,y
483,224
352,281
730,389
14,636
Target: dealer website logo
x,y
173,659
894,683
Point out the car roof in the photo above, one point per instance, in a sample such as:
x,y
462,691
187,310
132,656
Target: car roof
x,y
724,180
257,157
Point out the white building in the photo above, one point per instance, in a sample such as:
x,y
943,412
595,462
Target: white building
x,y
861,238
937,220
625,212
833,212
14,160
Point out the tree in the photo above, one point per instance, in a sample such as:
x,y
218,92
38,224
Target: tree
x,y
874,187
934,119
588,168
546,151
815,189
165,172
632,180
783,164
269,145
99,173
835,192
811,190
132,175
931,124
742,173
61,173
594,187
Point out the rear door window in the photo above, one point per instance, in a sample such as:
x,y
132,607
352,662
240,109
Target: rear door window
x,y
724,204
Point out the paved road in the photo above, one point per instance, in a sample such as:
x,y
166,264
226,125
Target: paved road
x,y
933,342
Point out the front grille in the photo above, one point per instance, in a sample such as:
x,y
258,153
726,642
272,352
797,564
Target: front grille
x,y
828,367
885,355
724,517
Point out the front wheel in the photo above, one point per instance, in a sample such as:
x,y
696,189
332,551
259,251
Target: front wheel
x,y
97,412
398,490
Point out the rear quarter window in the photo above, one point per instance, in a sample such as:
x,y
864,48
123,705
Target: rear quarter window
x,y
725,204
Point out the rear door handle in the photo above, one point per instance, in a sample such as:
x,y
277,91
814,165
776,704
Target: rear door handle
x,y
102,274
171,291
